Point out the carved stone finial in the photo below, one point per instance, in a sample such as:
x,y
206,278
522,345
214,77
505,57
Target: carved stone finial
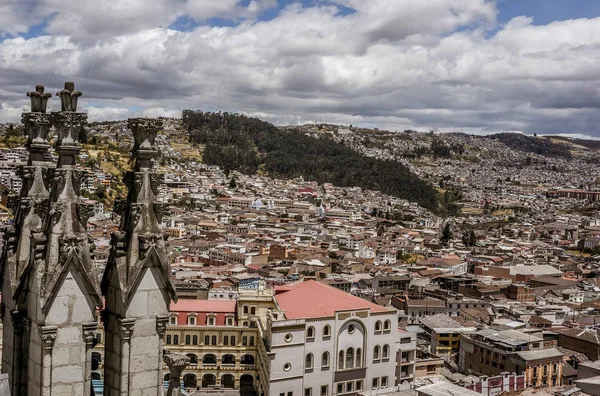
x,y
39,99
144,132
176,364
68,97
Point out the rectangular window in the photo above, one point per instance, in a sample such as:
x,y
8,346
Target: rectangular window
x,y
99,338
384,382
290,393
168,339
359,385
349,387
405,340
340,388
323,390
225,340
232,340
195,340
188,340
214,340
206,340
376,383
176,340
308,392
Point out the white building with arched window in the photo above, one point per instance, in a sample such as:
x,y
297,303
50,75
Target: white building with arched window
x,y
331,343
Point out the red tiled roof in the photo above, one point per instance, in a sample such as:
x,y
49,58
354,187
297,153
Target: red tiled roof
x,y
285,288
313,299
209,306
202,308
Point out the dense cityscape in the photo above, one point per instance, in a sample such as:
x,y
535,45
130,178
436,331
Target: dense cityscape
x,y
299,198
498,291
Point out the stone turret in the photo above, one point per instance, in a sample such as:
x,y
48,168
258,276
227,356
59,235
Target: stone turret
x,y
63,293
22,248
137,282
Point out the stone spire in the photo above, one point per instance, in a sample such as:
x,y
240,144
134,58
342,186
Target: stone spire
x,y
137,281
63,288
22,242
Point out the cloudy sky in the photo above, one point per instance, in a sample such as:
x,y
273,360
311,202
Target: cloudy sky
x,y
469,65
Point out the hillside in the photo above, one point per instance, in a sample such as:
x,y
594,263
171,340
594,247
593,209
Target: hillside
x,y
537,145
249,145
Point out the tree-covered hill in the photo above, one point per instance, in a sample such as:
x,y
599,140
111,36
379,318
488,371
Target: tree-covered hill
x,y
531,144
237,142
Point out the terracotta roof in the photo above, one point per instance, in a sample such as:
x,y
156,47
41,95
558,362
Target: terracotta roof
x,y
210,306
312,299
202,308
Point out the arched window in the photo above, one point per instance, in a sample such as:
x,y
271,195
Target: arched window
x,y
251,341
176,339
191,320
247,359
245,309
233,340
209,359
228,359
387,325
325,359
228,381
244,340
326,331
188,340
225,340
341,360
386,351
358,358
195,340
378,325
190,381
350,358
376,352
310,333
193,358
214,340
309,361
173,320
206,340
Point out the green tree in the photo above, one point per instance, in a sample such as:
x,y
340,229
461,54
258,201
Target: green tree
x,y
472,238
446,234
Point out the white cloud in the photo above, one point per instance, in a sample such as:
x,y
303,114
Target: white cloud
x,y
400,64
